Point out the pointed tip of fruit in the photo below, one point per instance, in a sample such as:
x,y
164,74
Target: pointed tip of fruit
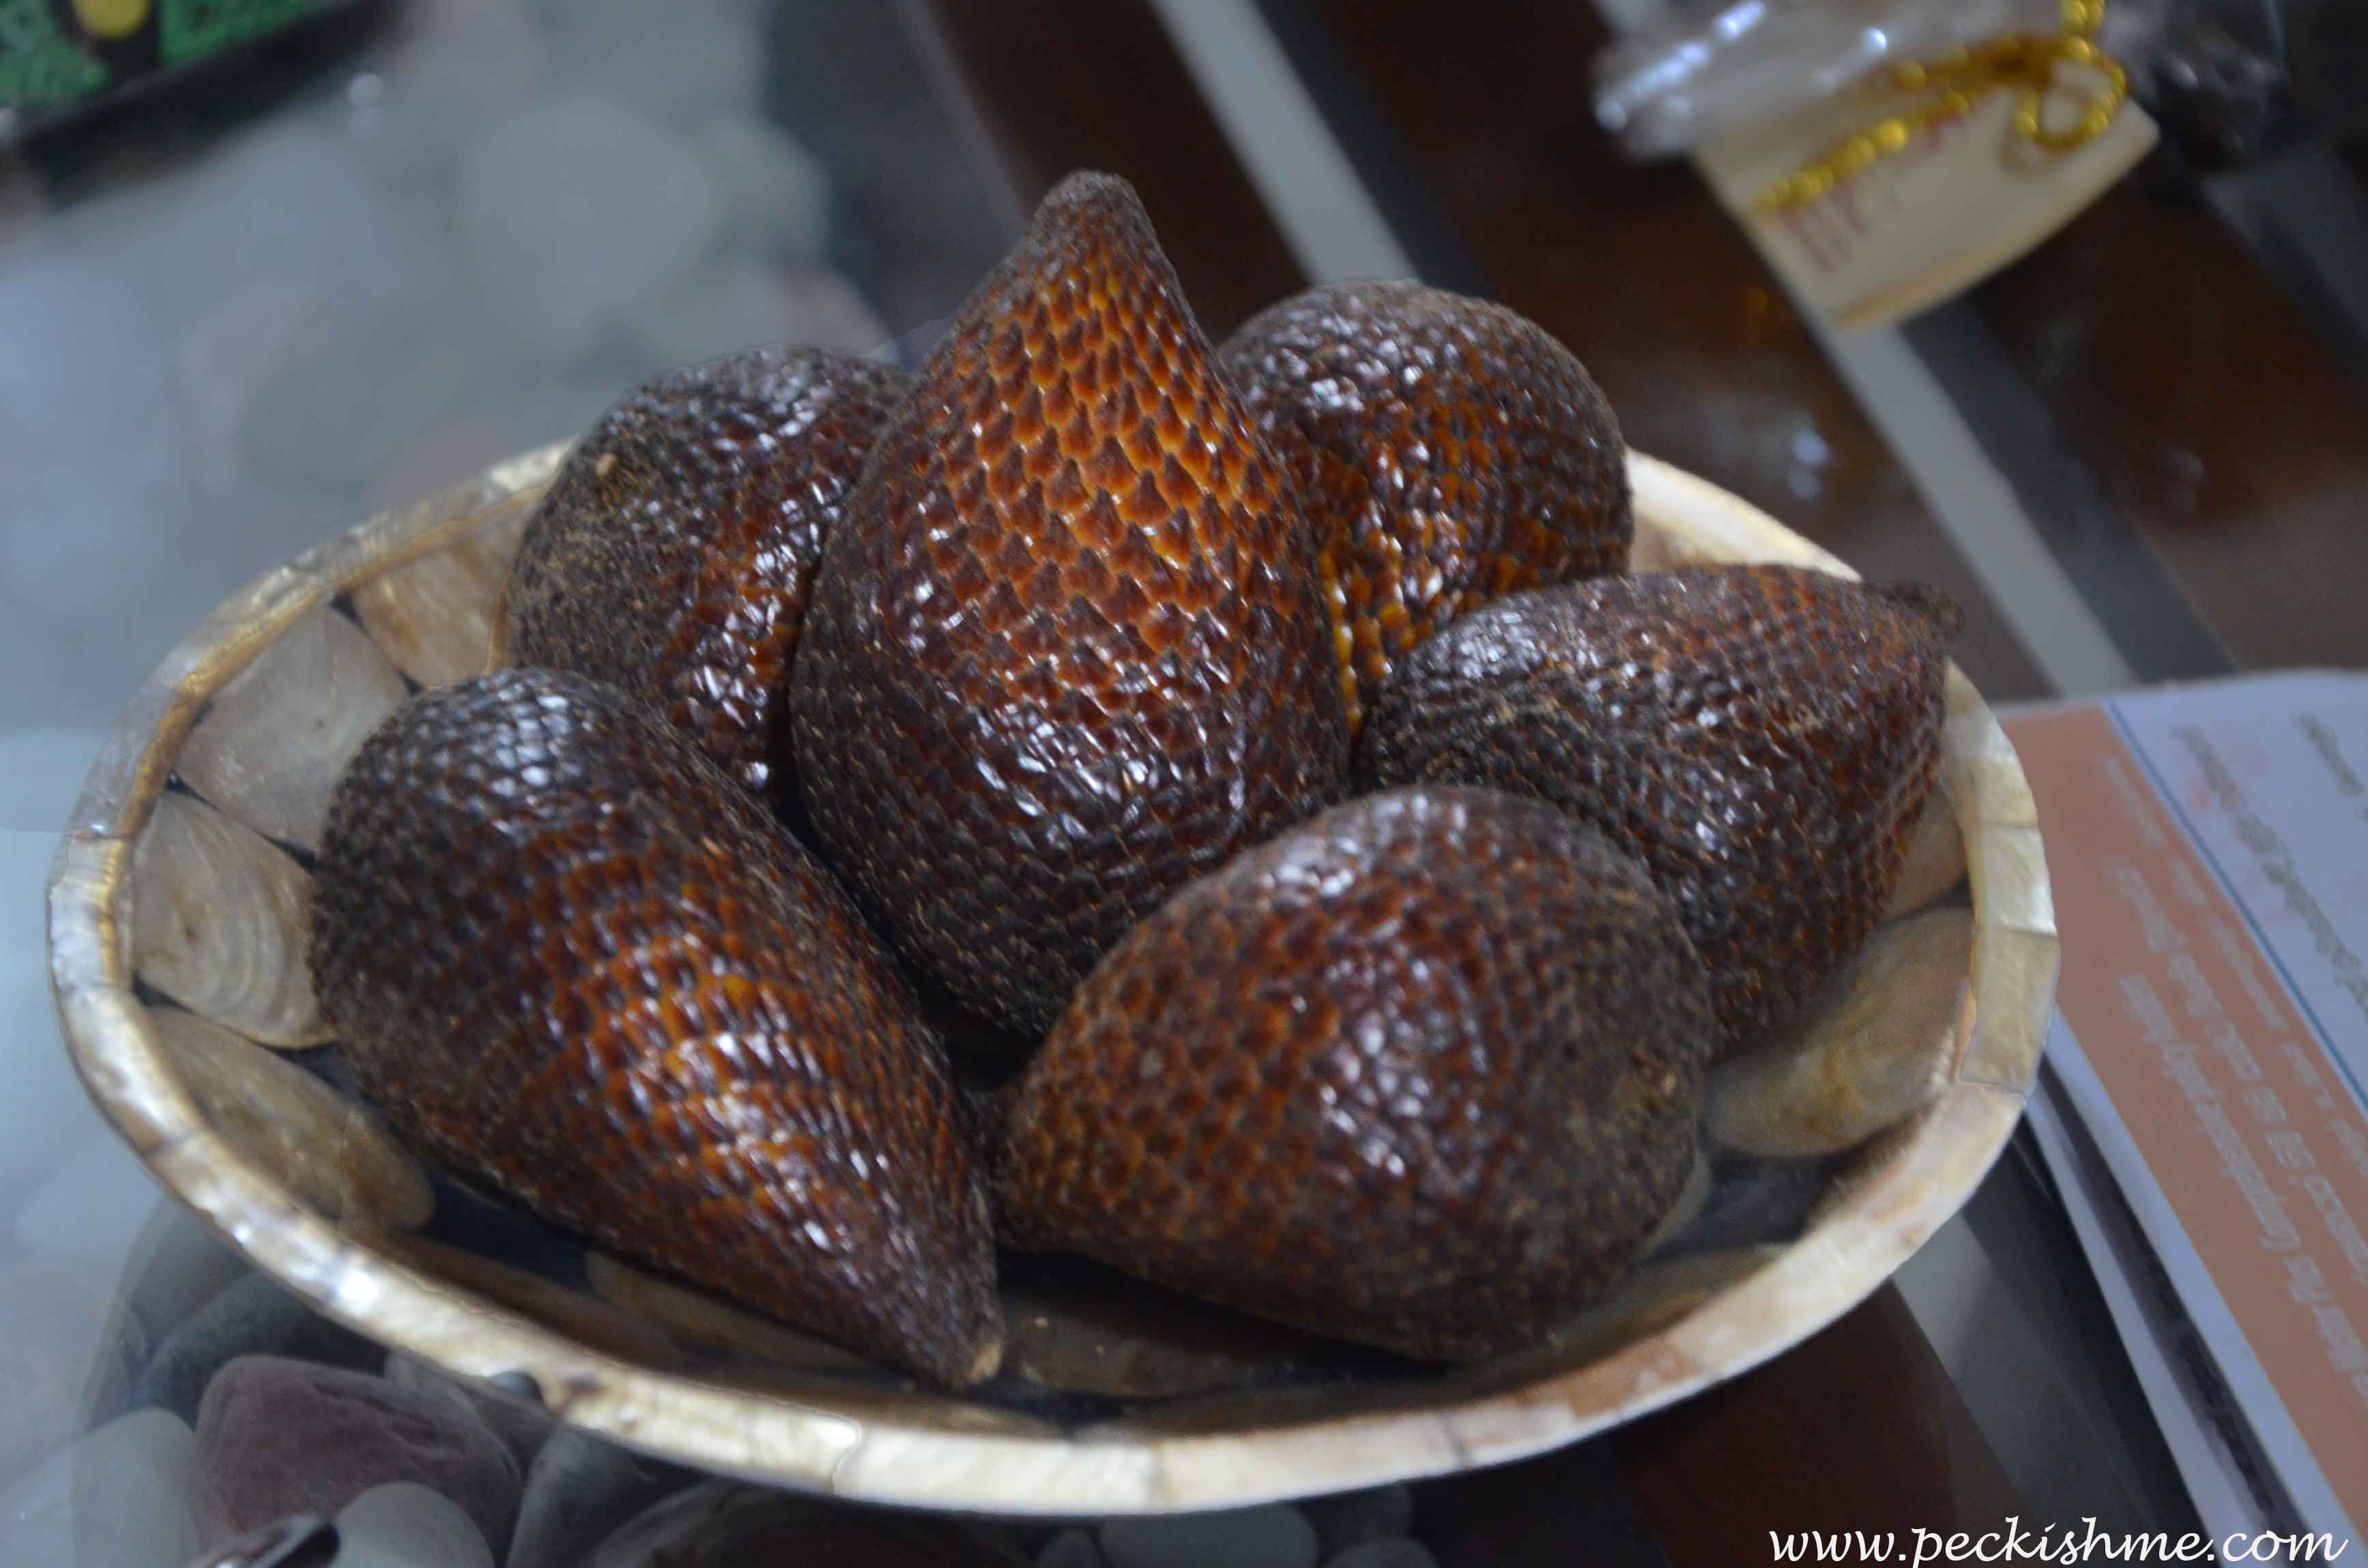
x,y
947,1319
1087,214
1085,190
1947,617
985,1364
962,1345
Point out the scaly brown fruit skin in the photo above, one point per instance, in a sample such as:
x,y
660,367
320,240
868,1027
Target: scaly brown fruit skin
x,y
1762,737
1068,650
1447,451
673,554
569,957
1422,1074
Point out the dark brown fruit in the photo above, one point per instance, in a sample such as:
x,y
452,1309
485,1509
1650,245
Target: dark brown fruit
x,y
1068,650
1422,1073
673,554
571,959
1762,737
1447,451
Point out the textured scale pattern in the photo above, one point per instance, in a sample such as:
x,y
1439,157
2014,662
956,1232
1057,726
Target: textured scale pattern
x,y
569,957
1447,451
1762,737
1422,1073
673,554
1069,648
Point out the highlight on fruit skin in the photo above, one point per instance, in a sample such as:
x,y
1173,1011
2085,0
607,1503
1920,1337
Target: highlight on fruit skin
x,y
571,959
1447,451
1762,737
1069,648
1422,1073
673,553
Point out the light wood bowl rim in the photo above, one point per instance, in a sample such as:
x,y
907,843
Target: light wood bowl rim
x,y
1897,1191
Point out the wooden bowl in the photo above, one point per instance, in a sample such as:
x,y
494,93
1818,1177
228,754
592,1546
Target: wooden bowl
x,y
178,909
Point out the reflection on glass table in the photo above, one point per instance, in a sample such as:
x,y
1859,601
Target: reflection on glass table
x,y
346,267
314,278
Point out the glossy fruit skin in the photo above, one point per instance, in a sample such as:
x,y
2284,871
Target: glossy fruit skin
x,y
569,957
673,554
1761,737
1447,451
1068,649
1421,1073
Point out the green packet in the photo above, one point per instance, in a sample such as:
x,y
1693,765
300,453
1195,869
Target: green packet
x,y
59,57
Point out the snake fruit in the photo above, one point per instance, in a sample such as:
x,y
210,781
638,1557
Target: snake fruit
x,y
673,554
1761,737
1422,1074
1068,649
572,959
1447,451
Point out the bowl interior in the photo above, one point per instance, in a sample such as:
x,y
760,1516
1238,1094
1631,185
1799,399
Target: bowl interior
x,y
180,907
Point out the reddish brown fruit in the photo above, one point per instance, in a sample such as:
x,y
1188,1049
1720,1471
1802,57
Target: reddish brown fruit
x,y
1447,451
1422,1073
569,957
1762,737
673,554
1068,650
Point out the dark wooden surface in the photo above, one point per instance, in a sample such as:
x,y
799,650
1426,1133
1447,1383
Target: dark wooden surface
x,y
1861,1428
1058,86
1708,368
2227,435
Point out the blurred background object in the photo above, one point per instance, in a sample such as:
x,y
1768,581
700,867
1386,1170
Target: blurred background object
x,y
1704,71
62,59
2232,80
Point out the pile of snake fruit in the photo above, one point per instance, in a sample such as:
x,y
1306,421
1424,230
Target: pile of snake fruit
x,y
1254,764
